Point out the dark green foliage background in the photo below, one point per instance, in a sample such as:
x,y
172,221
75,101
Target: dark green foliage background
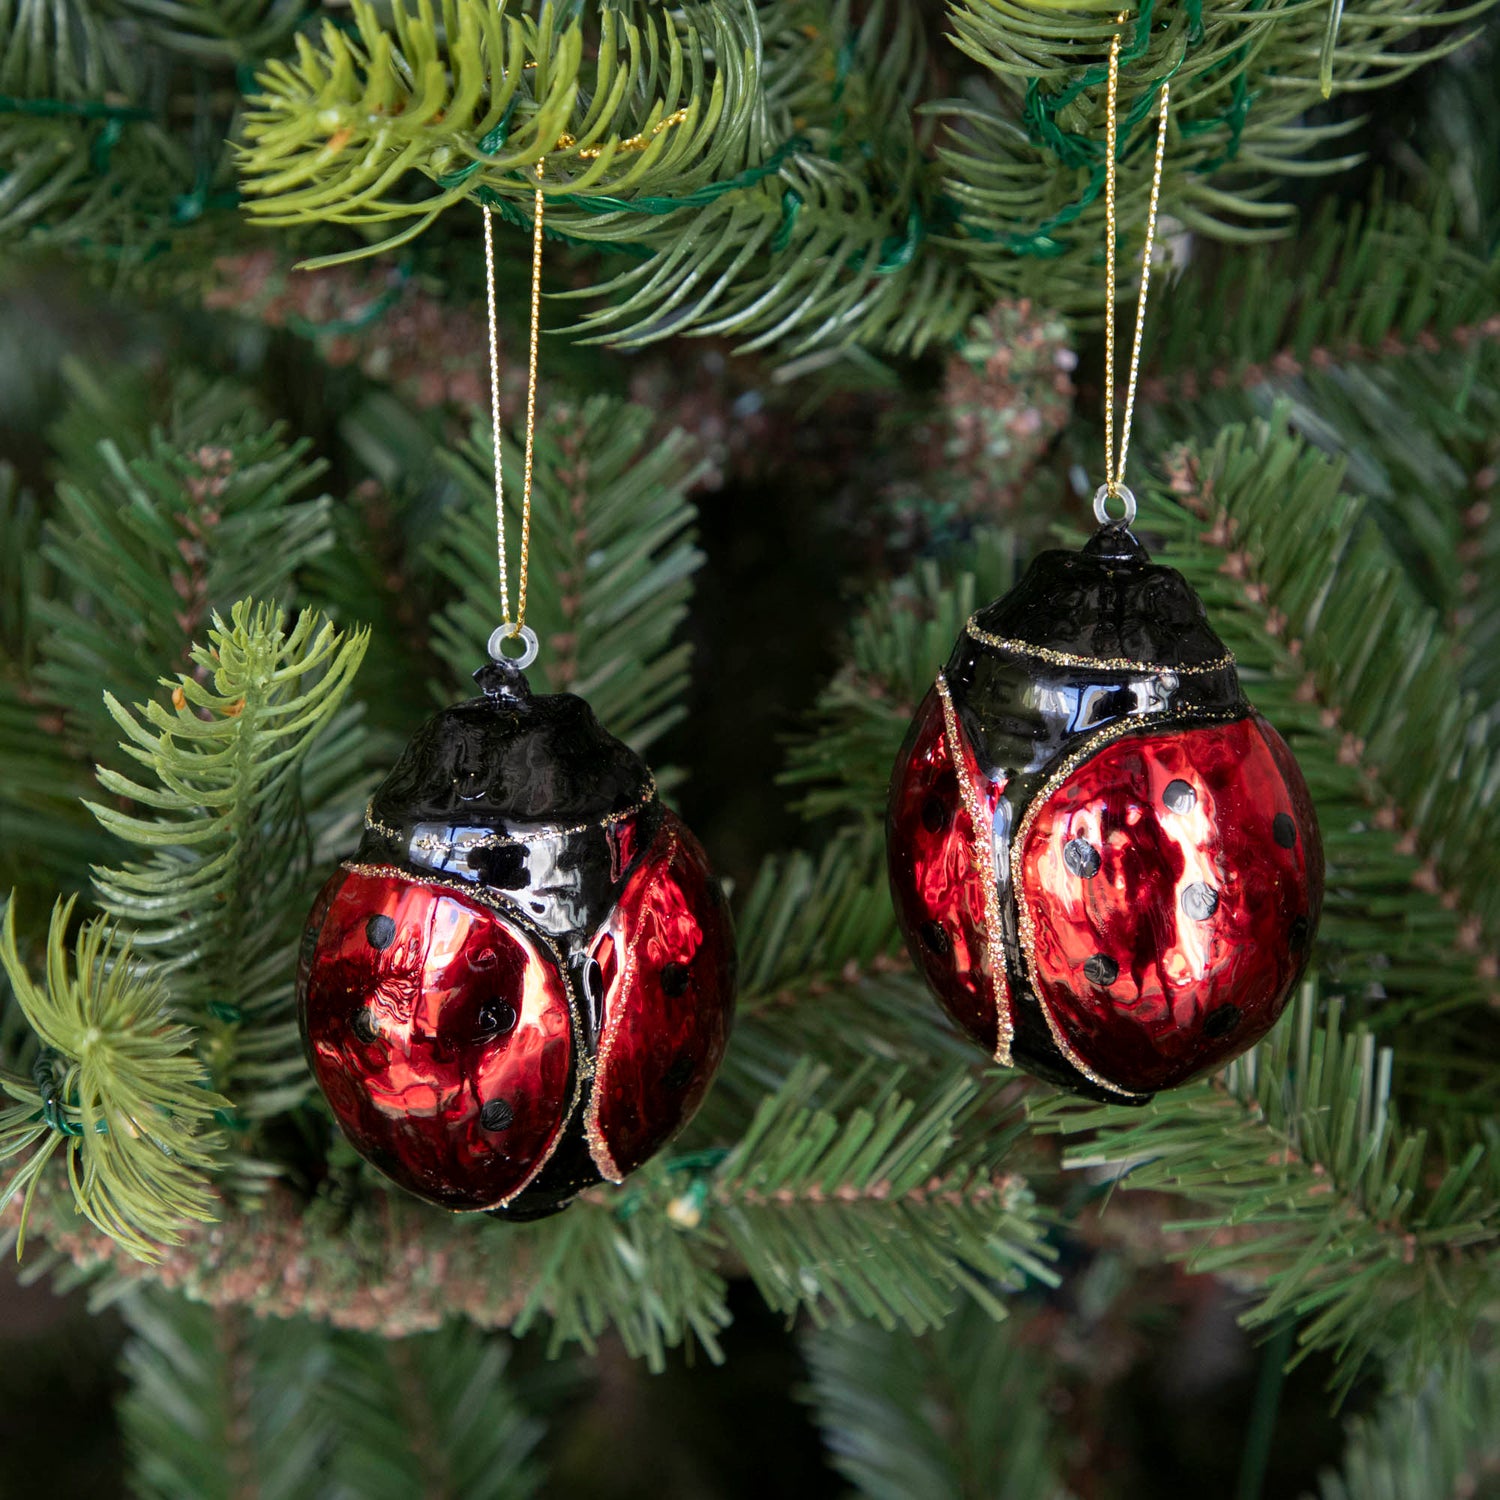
x,y
774,641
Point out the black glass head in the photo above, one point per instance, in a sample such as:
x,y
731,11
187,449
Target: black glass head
x,y
523,794
1110,602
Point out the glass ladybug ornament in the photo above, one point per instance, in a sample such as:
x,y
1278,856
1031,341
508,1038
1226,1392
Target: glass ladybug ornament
x,y
1105,862
522,983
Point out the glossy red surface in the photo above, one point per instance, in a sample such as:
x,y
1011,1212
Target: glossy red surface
x,y
1183,947
938,886
667,967
440,1035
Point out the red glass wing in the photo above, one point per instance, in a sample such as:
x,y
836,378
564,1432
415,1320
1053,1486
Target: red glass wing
x,y
937,880
666,963
1176,947
441,1037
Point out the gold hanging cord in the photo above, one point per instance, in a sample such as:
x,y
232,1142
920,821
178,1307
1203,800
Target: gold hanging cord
x,y
514,626
1114,487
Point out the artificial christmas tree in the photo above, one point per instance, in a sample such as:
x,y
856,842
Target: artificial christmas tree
x,y
837,254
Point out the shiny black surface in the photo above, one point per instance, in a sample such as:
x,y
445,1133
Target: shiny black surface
x,y
570,1171
1107,600
512,759
1024,714
509,792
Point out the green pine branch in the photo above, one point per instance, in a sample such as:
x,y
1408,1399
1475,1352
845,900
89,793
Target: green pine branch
x,y
223,1404
1365,48
824,243
814,919
220,1404
1342,655
20,524
832,247
837,204
637,1273
1475,619
612,557
91,161
63,50
824,976
957,1414
114,1087
380,1262
1026,173
809,266
217,904
474,97
155,531
381,569
893,1209
1303,1186
791,216
222,32
886,1210
434,1415
846,1202
1443,1443
810,192
152,531
46,838
1361,283
898,644
1378,338
881,1010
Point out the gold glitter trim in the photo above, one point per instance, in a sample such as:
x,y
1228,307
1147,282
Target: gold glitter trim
x,y
984,857
376,826
599,1150
461,887
1098,663
431,843
584,1070
1026,923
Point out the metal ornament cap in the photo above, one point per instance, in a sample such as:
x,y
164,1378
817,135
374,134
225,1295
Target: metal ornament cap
x,y
1106,863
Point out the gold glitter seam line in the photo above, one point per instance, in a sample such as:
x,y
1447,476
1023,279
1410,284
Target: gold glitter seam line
x,y
430,843
984,857
632,143
1098,663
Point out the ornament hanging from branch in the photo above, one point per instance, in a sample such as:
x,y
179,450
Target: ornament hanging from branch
x,y
522,983
1106,863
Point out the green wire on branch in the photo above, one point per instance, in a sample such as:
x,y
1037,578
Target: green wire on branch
x,y
85,109
818,212
115,1086
332,134
512,213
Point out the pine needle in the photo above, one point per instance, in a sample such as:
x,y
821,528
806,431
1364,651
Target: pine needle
x,y
116,1087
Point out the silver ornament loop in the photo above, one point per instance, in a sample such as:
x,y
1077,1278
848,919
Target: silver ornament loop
x,y
525,634
1102,497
